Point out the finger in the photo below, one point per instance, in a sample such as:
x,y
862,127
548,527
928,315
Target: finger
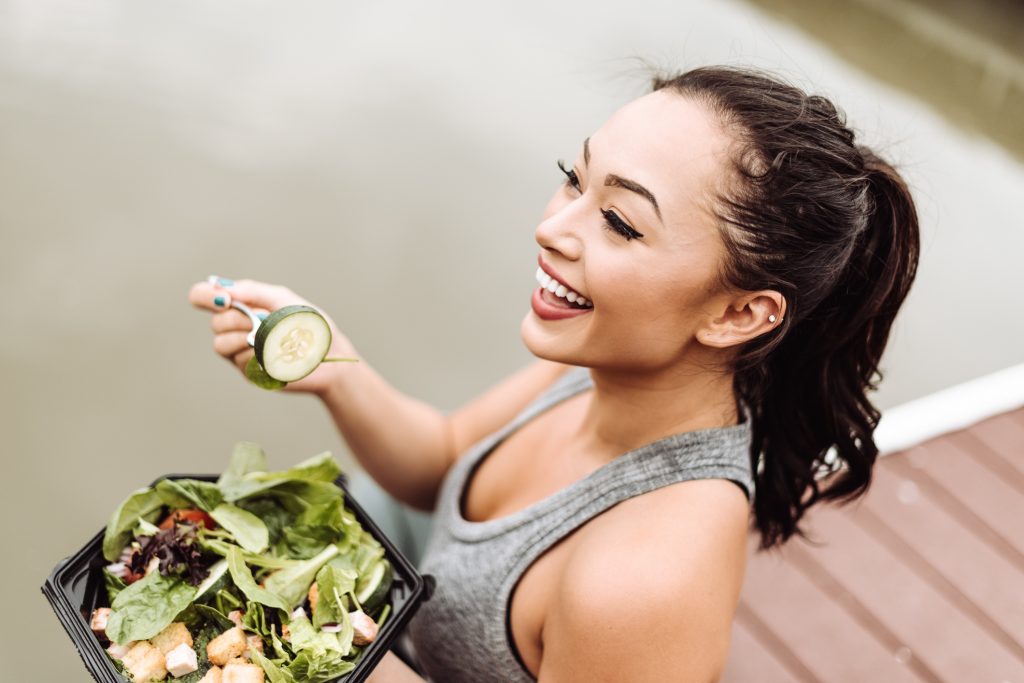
x,y
262,295
209,297
230,344
240,359
231,320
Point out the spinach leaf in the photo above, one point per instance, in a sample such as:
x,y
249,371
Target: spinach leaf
x,y
276,514
147,607
142,504
189,493
242,577
248,529
213,616
222,548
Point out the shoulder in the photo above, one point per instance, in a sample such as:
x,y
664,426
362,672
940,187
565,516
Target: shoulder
x,y
501,403
650,588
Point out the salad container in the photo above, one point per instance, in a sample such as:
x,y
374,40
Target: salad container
x,y
75,588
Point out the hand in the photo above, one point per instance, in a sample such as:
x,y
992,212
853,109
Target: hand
x,y
231,326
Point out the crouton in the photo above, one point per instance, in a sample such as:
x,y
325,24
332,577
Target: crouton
x,y
242,673
182,660
98,623
171,637
227,646
214,675
364,626
145,662
286,633
314,596
236,616
119,651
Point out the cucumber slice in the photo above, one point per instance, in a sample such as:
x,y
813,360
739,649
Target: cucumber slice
x,y
372,588
213,582
292,342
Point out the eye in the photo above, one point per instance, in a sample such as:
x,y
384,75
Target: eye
x,y
612,220
616,224
571,178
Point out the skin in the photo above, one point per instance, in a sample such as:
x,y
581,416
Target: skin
x,y
657,342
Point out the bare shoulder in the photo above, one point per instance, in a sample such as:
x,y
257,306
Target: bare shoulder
x,y
495,407
651,588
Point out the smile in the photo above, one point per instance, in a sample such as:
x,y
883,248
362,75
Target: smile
x,y
561,291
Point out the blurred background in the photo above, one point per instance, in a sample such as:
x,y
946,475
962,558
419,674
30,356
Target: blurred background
x,y
389,161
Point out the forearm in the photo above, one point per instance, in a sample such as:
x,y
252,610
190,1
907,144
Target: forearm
x,y
403,443
391,669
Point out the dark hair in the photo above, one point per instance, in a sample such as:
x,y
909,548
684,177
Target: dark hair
x,y
832,227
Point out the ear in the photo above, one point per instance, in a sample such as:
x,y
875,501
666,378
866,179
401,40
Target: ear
x,y
743,317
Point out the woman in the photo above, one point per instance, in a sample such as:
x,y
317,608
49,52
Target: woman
x,y
719,274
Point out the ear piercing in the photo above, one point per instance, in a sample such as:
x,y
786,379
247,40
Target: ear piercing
x,y
771,318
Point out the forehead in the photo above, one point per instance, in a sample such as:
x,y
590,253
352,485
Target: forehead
x,y
671,144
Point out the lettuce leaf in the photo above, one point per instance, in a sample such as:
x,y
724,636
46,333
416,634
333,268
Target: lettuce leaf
x,y
320,469
242,577
332,584
147,607
292,583
245,459
275,674
142,504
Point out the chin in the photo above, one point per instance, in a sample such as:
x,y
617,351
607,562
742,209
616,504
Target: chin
x,y
544,345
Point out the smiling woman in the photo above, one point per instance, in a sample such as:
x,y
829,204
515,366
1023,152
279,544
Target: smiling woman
x,y
717,277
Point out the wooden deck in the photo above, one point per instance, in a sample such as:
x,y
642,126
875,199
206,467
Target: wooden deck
x,y
920,581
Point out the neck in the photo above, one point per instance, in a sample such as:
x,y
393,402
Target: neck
x,y
627,409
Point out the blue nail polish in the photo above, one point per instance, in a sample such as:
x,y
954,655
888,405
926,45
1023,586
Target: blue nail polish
x,y
218,301
225,281
262,316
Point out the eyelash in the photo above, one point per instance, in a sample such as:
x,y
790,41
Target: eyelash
x,y
612,220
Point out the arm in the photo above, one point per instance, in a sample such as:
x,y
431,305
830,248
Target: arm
x,y
651,598
405,444
391,669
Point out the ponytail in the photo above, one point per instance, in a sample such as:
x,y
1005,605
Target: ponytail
x,y
832,227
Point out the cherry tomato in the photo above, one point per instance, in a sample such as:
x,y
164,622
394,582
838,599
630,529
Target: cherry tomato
x,y
194,517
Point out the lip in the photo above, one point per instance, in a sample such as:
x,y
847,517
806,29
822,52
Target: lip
x,y
546,311
551,271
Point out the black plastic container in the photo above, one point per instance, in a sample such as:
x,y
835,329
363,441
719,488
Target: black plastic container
x,y
75,588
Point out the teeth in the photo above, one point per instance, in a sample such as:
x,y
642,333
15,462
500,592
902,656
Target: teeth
x,y
558,289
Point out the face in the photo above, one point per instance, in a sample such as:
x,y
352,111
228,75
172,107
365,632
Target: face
x,y
631,232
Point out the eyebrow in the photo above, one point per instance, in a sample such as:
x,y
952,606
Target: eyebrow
x,y
612,180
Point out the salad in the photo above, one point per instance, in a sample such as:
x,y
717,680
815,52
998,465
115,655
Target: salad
x,y
259,576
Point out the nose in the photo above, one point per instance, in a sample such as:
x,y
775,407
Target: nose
x,y
560,231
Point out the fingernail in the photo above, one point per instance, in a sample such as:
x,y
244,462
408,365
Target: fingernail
x,y
219,301
262,316
225,281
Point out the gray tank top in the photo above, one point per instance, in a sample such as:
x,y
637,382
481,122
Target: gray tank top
x,y
462,634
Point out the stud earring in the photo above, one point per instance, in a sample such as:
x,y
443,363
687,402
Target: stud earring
x,y
771,318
